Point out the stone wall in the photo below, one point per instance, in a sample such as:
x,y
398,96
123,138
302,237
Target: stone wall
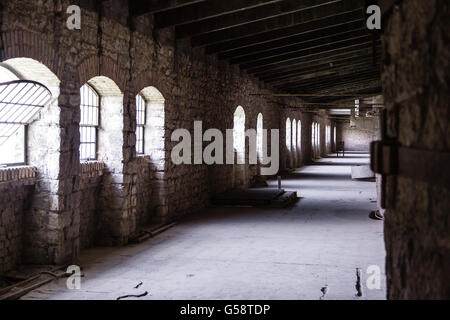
x,y
300,156
325,146
16,186
416,90
355,139
89,183
71,201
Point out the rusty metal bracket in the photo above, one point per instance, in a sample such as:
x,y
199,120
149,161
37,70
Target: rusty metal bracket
x,y
389,159
384,157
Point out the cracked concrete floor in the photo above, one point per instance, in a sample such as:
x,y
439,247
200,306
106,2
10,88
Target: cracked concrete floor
x,y
252,253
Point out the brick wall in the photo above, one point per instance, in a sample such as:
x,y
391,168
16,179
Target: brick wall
x,y
355,139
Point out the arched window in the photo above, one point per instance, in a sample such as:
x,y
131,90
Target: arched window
x,y
239,146
150,126
294,135
329,135
259,135
27,87
20,102
299,136
140,123
313,138
294,142
335,136
89,122
101,121
239,133
288,134
318,139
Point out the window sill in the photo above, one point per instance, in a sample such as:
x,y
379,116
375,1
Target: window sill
x,y
92,166
143,156
17,176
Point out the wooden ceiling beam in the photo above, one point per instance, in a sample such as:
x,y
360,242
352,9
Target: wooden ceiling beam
x,y
205,10
139,8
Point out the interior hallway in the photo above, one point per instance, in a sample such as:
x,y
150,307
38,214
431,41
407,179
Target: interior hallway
x,y
252,253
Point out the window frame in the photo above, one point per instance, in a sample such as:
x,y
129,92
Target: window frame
x,y
97,126
29,85
143,112
25,151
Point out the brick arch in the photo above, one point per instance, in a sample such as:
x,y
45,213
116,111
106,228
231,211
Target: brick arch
x,y
95,66
26,44
149,79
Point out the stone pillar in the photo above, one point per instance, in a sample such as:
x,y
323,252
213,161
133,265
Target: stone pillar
x,y
416,90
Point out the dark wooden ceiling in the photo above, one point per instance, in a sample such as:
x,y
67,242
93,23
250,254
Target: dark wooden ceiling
x,y
308,47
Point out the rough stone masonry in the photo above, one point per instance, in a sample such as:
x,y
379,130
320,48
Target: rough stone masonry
x,y
416,90
71,206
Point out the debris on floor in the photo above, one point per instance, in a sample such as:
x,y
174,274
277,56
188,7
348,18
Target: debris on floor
x,y
133,296
145,293
324,291
255,197
358,283
22,281
151,232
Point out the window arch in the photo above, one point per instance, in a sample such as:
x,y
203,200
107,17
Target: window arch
x,y
28,88
150,124
140,123
299,137
328,135
294,135
89,122
288,134
239,133
294,142
318,139
259,135
335,137
239,146
20,102
101,121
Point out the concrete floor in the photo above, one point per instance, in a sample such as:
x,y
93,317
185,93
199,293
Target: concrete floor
x,y
252,253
